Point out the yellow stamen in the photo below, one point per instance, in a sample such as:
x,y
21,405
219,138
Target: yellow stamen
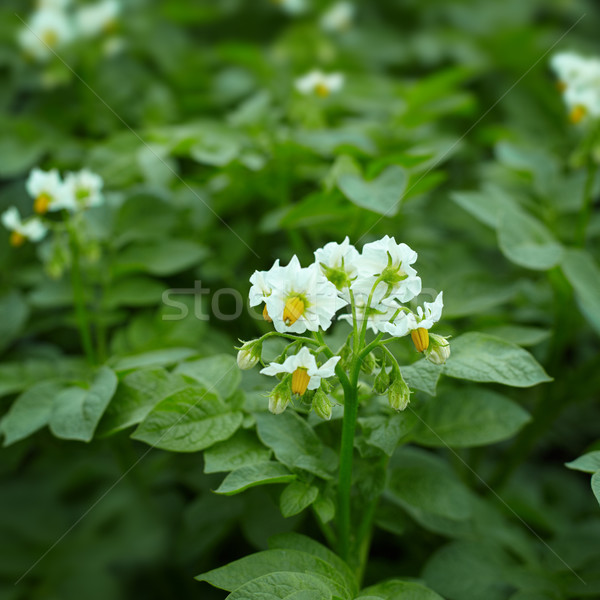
x,y
17,239
577,114
321,90
420,337
561,86
50,38
293,310
300,380
266,316
41,204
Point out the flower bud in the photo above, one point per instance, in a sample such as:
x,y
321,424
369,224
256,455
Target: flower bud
x,y
249,354
382,381
439,349
369,363
322,405
280,397
399,393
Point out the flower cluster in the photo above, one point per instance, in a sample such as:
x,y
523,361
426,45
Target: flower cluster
x,y
55,24
579,82
319,83
50,193
375,284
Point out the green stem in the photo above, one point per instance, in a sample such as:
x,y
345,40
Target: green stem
x,y
79,300
588,201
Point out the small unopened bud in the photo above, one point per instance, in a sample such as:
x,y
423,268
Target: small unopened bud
x,y
439,349
322,405
399,393
382,381
280,397
369,363
249,354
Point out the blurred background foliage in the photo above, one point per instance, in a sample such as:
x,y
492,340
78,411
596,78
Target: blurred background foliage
x,y
214,166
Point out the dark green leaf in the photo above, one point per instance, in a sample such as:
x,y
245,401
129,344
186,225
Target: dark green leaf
x,y
252,475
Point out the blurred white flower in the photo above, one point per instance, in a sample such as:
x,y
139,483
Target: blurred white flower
x,y
47,31
31,229
306,375
83,189
339,17
101,17
292,7
48,191
319,83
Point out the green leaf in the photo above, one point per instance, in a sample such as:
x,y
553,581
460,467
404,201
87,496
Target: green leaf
x,y
325,508
381,195
584,275
29,412
296,497
419,481
294,442
386,432
480,357
164,257
588,463
76,411
252,475
187,421
14,311
422,375
284,586
219,374
519,334
134,291
596,485
526,242
469,417
241,450
488,205
396,589
138,393
154,358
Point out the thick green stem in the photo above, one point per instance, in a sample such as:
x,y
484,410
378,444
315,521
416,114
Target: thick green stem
x,y
79,301
346,458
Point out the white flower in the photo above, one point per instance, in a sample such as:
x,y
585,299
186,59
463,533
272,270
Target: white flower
x,y
306,375
262,284
84,189
338,262
48,191
425,318
47,31
93,19
391,262
31,229
319,83
292,7
378,315
339,17
301,299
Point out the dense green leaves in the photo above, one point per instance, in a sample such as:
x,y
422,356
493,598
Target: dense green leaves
x,y
480,357
252,475
187,421
219,374
241,450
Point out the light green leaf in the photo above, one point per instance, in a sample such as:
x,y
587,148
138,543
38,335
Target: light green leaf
x,y
134,291
480,357
14,311
154,358
138,393
325,508
296,497
588,463
219,374
396,589
294,442
325,142
241,450
486,205
29,412
519,334
381,195
422,375
465,296
76,411
187,421
284,586
584,275
596,485
252,475
469,417
526,242
386,432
